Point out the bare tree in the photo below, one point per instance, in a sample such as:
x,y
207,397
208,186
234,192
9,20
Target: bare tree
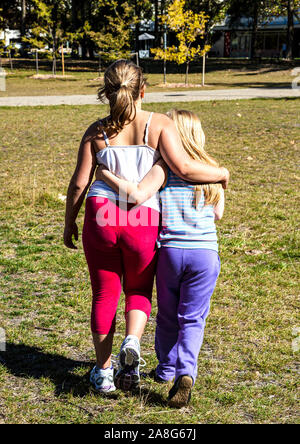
x,y
23,16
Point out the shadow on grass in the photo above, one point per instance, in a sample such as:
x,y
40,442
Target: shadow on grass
x,y
224,85
32,362
24,361
257,71
265,85
279,99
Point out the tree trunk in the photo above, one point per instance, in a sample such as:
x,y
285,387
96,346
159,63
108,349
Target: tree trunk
x,y
54,63
90,44
137,33
290,30
137,26
75,21
162,28
75,24
54,16
187,73
203,69
63,59
23,18
84,50
37,61
254,31
84,42
10,60
156,28
54,53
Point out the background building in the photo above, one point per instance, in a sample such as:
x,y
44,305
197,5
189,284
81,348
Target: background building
x,y
235,41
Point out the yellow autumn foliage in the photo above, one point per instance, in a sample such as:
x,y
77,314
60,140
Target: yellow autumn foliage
x,y
188,26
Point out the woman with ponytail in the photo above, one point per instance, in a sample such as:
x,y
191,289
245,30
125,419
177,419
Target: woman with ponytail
x,y
119,239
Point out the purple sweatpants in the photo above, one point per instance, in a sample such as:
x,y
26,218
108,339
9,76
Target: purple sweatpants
x,y
185,282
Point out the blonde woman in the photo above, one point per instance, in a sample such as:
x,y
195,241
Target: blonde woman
x,y
119,240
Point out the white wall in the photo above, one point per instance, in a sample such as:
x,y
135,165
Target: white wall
x,y
9,34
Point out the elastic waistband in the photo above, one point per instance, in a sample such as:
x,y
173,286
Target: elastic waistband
x,y
102,190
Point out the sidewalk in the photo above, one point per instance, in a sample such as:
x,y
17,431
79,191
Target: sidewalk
x,y
158,97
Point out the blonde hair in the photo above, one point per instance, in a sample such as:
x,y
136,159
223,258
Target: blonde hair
x,y
123,81
192,136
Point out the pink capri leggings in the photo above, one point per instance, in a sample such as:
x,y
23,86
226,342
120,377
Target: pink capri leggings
x,y
119,243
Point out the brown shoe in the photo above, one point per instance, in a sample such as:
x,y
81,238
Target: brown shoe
x,y
180,393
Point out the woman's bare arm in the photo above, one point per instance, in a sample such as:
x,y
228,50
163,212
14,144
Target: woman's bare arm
x,y
136,193
219,208
79,184
182,165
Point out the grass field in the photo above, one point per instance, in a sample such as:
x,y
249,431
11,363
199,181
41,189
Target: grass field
x,y
20,83
248,370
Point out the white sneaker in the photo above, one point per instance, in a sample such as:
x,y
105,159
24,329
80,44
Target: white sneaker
x,y
130,352
103,380
128,375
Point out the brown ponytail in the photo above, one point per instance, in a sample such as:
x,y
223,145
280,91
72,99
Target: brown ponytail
x,y
123,81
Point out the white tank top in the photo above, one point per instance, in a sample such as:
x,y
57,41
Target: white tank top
x,y
130,162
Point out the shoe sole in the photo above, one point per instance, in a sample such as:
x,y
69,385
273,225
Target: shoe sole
x,y
183,395
129,359
127,382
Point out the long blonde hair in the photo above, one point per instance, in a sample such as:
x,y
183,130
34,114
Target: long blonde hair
x,y
192,136
123,81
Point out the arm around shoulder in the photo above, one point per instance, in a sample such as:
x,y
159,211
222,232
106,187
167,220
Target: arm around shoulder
x,y
182,164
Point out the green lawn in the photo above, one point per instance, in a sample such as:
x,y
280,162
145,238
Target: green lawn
x,y
247,366
20,83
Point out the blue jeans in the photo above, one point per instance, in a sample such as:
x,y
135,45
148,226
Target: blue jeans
x,y
185,282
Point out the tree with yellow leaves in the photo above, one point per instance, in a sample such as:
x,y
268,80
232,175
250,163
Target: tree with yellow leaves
x,y
189,27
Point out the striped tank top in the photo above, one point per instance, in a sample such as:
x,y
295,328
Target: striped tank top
x,y
184,226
